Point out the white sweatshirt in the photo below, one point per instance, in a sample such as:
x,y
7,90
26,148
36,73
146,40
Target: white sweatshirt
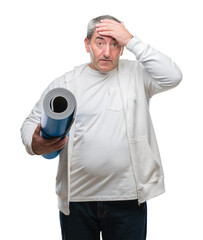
x,y
153,72
100,166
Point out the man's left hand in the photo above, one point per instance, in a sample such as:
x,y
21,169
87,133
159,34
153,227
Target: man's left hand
x,y
115,30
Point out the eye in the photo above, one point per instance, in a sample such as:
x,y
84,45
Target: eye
x,y
100,44
114,44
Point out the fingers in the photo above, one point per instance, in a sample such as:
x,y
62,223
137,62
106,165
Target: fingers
x,y
105,30
52,140
109,21
100,27
115,30
112,29
41,145
55,142
47,148
61,144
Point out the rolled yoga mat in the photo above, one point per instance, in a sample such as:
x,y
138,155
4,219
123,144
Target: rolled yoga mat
x,y
58,114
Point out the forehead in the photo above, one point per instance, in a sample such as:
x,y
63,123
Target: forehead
x,y
97,36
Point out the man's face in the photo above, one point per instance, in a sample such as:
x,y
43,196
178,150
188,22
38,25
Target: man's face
x,y
104,52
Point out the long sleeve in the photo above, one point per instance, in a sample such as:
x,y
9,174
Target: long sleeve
x,y
29,126
31,122
159,71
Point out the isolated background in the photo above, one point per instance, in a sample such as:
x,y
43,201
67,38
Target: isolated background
x,y
43,39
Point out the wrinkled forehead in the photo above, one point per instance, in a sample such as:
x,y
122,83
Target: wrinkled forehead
x,y
97,36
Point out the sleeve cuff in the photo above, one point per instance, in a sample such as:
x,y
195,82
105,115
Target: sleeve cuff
x,y
29,150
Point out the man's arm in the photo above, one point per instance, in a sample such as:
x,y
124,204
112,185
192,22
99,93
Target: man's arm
x,y
30,132
160,72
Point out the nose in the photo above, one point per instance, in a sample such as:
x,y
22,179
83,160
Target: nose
x,y
107,51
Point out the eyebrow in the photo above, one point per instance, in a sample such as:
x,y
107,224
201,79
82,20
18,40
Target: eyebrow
x,y
101,38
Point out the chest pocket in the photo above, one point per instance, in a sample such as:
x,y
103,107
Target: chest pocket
x,y
114,101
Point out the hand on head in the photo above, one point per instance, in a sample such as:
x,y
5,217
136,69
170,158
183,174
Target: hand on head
x,y
115,30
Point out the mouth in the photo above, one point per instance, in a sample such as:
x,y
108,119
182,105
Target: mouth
x,y
105,60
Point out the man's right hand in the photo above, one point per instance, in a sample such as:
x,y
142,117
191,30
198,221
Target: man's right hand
x,y
41,145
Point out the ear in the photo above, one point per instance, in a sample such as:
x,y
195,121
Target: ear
x,y
86,41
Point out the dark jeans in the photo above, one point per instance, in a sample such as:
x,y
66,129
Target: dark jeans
x,y
116,220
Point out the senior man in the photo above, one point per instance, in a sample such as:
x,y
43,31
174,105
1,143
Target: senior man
x,y
109,165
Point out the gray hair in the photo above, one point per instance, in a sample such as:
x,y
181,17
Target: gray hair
x,y
92,24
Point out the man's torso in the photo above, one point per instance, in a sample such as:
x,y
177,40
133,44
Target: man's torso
x,y
100,165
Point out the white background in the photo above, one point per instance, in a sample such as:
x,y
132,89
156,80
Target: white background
x,y
43,39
